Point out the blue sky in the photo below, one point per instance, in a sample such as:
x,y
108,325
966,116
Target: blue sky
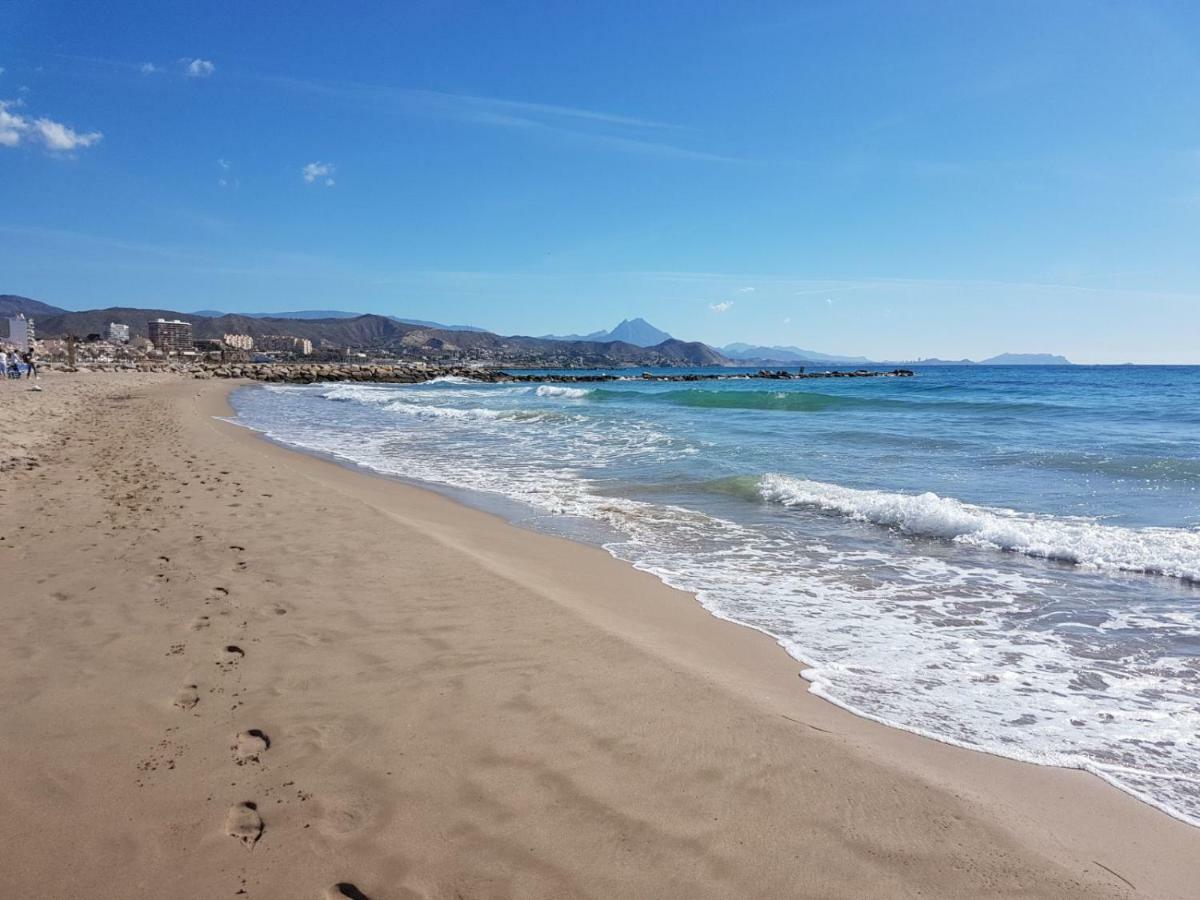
x,y
897,179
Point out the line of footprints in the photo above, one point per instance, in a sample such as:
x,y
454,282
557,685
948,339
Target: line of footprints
x,y
242,820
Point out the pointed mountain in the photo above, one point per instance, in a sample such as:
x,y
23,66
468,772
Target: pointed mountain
x,y
638,332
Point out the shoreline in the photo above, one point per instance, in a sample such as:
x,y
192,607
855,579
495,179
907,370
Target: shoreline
x,y
927,763
540,655
515,513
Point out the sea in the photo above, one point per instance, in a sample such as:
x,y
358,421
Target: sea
x,y
1002,558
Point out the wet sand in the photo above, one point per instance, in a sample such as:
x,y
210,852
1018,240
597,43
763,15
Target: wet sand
x,y
230,669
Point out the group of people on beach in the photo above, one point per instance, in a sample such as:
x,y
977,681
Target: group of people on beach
x,y
11,362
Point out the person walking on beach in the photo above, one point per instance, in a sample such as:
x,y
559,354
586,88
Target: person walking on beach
x,y
30,361
3,363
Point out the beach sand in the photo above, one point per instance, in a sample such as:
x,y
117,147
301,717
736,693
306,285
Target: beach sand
x,y
232,670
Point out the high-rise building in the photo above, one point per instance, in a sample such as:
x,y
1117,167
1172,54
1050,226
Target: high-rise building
x,y
286,344
171,335
20,332
238,341
118,333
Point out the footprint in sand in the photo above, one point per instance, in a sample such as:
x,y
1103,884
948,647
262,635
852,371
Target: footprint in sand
x,y
249,744
186,697
230,658
344,889
199,622
244,823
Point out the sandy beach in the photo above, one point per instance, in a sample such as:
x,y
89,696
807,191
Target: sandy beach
x,y
230,669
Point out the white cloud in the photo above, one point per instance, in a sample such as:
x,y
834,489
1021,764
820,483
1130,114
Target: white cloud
x,y
198,68
746,290
723,306
149,68
60,138
319,171
12,126
54,136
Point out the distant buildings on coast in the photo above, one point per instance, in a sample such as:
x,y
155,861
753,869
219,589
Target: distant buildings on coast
x,y
281,343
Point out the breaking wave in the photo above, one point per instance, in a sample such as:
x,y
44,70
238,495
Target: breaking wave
x,y
1172,552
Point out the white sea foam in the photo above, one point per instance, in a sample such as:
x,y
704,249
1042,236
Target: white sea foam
x,y
1154,551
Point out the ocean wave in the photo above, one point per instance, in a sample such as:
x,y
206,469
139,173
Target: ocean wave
x,y
570,393
1171,552
776,400
452,379
425,411
358,393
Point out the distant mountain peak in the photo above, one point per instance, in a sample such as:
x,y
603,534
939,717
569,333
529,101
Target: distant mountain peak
x,y
635,331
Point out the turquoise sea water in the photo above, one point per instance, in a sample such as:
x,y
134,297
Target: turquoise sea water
x,y
1004,558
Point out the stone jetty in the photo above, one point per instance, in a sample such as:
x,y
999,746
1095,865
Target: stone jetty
x,y
310,373
410,373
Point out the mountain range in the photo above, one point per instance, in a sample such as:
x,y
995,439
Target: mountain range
x,y
632,342
332,314
760,355
376,334
788,354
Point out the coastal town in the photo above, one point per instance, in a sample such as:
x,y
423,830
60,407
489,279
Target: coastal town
x,y
169,344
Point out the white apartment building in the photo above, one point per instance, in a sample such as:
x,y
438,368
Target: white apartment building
x,y
20,332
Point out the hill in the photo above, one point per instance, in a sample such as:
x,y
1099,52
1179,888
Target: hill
x,y
1026,359
330,314
12,305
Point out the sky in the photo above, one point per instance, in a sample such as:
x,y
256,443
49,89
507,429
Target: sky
x,y
893,179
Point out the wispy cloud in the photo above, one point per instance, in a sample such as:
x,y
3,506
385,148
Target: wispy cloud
x,y
16,129
487,110
149,68
626,133
319,171
723,306
197,68
227,179
745,290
